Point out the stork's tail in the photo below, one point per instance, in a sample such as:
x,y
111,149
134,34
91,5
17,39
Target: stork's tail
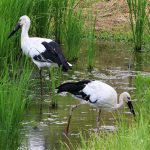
x,y
66,66
70,65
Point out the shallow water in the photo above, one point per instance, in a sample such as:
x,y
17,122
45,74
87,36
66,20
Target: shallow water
x,y
44,127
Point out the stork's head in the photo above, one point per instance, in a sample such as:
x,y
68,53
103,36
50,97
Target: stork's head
x,y
127,98
23,21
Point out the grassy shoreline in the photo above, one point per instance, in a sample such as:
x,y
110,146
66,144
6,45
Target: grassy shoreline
x,y
13,94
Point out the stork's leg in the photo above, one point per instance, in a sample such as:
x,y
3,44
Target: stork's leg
x,y
41,83
70,115
98,118
50,79
49,74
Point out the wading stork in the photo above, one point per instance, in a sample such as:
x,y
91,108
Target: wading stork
x,y
43,52
97,94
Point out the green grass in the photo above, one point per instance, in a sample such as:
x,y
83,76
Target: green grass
x,y
72,32
10,11
126,138
56,74
14,75
40,18
91,41
115,36
13,94
137,10
57,10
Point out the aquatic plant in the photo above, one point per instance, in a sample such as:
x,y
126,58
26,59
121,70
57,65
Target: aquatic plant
x,y
72,30
13,94
91,41
40,18
148,22
10,11
57,11
137,10
55,75
134,137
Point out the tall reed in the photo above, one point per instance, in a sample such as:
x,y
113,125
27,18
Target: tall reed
x,y
137,10
143,95
148,22
134,137
56,74
40,18
10,11
91,41
57,10
13,91
72,30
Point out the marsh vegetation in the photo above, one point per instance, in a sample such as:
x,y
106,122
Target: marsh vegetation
x,y
101,44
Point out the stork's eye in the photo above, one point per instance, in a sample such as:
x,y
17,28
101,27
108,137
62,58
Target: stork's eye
x,y
128,97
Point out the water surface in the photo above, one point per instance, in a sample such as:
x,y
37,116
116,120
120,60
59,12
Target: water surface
x,y
115,64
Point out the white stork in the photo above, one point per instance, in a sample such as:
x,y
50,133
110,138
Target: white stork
x,y
43,52
97,94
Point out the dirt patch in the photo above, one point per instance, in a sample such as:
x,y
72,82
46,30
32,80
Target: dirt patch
x,y
112,15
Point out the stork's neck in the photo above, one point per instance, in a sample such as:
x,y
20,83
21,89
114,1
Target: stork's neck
x,y
121,102
24,33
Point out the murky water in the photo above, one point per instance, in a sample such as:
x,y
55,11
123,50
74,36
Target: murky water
x,y
44,127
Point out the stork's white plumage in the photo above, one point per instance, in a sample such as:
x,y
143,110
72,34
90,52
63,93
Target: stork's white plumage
x,y
97,94
43,52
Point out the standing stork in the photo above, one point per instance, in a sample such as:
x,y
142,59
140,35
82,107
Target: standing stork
x,y
97,94
43,52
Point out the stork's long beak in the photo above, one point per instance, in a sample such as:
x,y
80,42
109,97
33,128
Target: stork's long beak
x,y
17,27
131,107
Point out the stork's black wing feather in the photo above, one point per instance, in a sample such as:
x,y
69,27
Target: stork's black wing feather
x,y
72,87
75,88
52,54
